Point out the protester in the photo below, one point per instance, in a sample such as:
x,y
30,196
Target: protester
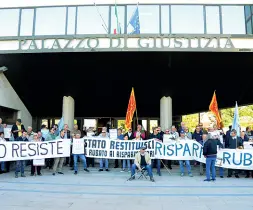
x,y
58,162
18,129
126,162
1,126
187,162
140,132
35,168
157,136
20,164
210,153
234,142
104,161
81,156
142,161
2,140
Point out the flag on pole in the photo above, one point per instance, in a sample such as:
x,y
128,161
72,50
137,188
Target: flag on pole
x,y
135,22
130,110
61,124
213,107
117,30
235,124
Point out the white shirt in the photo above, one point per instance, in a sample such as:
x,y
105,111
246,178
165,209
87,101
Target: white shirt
x,y
2,139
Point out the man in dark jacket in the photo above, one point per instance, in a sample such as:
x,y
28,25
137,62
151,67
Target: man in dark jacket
x,y
20,164
18,129
130,134
234,142
210,153
157,136
227,136
69,160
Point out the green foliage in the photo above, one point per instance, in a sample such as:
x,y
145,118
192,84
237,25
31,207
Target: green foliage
x,y
122,124
191,120
227,115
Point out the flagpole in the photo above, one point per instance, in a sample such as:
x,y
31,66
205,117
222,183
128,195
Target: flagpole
x,y
136,113
104,26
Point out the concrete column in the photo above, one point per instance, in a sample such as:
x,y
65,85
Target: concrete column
x,y
68,111
166,112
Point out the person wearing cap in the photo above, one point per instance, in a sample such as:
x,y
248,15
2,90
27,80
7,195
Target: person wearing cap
x,y
142,160
187,162
18,129
81,156
210,153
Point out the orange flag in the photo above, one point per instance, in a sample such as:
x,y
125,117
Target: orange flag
x,y
130,110
213,107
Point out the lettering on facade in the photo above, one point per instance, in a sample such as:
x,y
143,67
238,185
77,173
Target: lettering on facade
x,y
94,43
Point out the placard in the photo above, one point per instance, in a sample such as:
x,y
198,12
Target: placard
x,y
78,146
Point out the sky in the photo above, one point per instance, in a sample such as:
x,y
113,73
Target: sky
x,y
23,3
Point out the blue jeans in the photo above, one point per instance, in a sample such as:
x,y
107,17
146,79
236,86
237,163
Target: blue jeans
x,y
20,166
147,167
2,166
128,164
210,165
82,157
101,163
158,165
188,166
221,171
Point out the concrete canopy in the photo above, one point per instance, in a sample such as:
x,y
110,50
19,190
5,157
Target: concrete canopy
x,y
101,83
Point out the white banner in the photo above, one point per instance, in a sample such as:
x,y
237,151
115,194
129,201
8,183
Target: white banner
x,y
175,150
11,151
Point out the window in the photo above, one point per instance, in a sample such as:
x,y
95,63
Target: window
x,y
9,19
233,20
187,19
165,18
212,20
26,28
153,124
50,21
89,20
121,19
148,16
71,20
144,124
44,122
56,121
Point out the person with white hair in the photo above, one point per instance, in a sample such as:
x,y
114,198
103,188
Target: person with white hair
x,y
30,133
210,153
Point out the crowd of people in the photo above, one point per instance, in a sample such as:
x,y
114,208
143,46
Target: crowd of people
x,y
210,138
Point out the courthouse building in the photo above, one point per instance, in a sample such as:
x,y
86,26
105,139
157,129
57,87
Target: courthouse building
x,y
169,51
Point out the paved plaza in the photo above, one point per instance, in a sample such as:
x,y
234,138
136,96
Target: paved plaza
x,y
110,191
